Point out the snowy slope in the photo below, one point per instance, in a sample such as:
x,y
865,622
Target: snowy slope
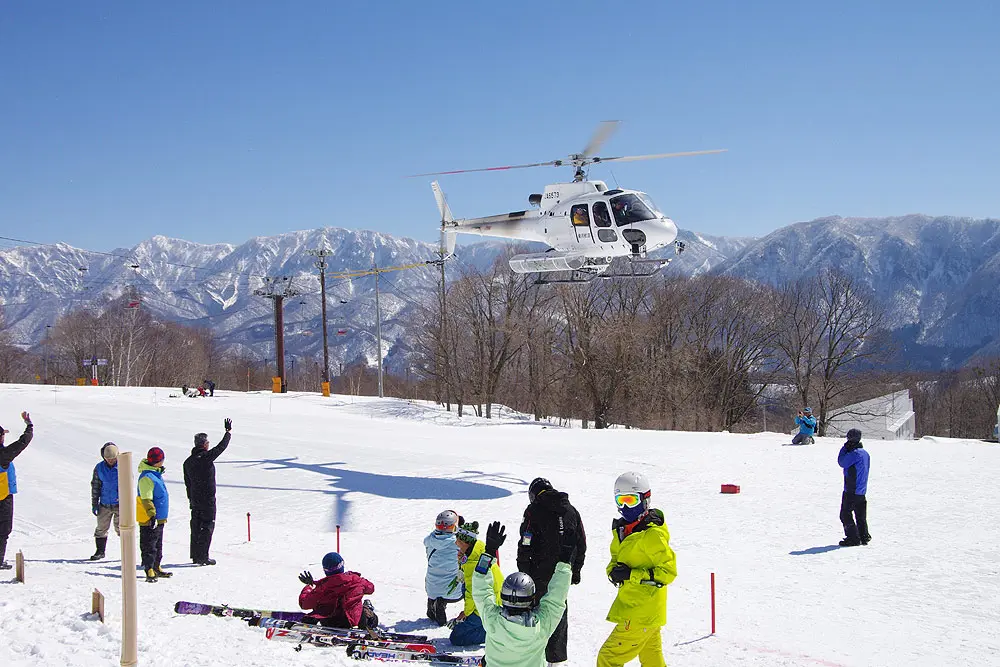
x,y
923,593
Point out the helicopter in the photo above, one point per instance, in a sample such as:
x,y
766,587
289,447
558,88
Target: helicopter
x,y
592,231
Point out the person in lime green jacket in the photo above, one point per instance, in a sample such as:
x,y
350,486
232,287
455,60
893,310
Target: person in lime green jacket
x,y
468,628
517,631
642,565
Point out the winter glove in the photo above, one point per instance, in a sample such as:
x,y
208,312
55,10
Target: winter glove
x,y
619,574
27,419
307,578
151,523
495,536
567,542
228,423
576,577
94,509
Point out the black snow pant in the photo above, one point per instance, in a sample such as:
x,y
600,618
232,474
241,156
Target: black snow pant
x,y
202,528
851,506
6,523
151,546
555,650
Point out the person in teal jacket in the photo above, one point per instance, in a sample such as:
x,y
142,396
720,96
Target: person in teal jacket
x,y
517,631
807,427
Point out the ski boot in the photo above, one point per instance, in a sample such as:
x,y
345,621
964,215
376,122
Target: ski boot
x,y
150,576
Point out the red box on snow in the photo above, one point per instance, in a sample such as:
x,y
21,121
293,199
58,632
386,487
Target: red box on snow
x,y
730,488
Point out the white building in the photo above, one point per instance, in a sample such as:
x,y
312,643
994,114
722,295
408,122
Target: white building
x,y
888,417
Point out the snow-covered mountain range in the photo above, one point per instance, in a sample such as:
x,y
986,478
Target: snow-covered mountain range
x,y
939,277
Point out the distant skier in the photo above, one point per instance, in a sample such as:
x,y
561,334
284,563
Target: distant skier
x,y
468,629
443,581
151,512
807,427
548,516
8,482
518,630
642,565
104,497
855,461
336,600
199,481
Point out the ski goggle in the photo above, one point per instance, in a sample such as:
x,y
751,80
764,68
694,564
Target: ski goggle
x,y
628,499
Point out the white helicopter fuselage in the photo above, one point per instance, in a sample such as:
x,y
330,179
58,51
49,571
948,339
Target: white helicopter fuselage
x,y
584,222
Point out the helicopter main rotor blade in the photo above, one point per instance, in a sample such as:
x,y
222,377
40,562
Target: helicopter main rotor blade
x,y
601,134
633,158
554,163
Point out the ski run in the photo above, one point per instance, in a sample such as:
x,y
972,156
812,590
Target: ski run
x,y
923,592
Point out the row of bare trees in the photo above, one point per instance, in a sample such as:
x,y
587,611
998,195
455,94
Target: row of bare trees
x,y
676,353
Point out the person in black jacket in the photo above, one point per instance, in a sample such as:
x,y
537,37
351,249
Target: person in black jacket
x,y
8,483
199,480
538,549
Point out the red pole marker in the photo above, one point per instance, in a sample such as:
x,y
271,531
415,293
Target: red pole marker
x,y
248,526
338,538
713,603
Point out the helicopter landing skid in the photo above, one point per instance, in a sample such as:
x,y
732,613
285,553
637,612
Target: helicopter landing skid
x,y
626,267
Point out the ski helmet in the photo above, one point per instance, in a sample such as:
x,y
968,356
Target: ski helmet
x,y
333,563
446,521
537,487
518,591
808,411
633,488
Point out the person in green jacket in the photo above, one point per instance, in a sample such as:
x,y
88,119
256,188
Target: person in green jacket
x,y
517,631
642,565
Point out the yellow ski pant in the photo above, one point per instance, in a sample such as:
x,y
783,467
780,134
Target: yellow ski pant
x,y
627,642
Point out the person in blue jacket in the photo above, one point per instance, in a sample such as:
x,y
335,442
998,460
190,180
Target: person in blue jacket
x,y
807,426
443,581
855,461
104,497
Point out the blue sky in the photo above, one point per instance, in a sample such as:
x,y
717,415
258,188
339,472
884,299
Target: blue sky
x,y
218,121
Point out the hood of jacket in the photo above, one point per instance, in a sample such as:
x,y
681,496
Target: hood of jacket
x,y
144,466
556,502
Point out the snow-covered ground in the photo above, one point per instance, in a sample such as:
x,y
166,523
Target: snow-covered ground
x,y
926,591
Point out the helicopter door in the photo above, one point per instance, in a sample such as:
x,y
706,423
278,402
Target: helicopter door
x,y
579,215
602,220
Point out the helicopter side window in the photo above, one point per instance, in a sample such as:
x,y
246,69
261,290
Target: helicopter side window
x,y
580,215
628,209
602,218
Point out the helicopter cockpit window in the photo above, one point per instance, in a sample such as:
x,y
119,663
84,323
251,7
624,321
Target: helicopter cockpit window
x,y
602,218
580,216
648,201
628,209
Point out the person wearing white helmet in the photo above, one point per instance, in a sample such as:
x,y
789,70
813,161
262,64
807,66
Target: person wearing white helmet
x,y
642,565
443,582
807,427
519,627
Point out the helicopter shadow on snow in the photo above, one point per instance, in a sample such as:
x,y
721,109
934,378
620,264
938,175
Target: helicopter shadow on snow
x,y
403,487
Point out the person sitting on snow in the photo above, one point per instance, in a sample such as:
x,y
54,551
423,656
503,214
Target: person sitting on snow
x,y
336,600
443,581
807,426
468,628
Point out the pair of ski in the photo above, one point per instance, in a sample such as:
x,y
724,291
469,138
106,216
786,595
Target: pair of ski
x,y
360,647
303,633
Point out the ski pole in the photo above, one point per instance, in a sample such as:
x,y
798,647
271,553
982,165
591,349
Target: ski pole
x,y
338,538
713,603
248,526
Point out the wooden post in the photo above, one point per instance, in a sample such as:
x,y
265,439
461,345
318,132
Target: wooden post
x,y
19,566
130,621
97,604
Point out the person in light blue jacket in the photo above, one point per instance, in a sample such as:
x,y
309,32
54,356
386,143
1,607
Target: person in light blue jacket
x,y
807,426
443,581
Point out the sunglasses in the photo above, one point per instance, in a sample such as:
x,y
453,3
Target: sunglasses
x,y
628,499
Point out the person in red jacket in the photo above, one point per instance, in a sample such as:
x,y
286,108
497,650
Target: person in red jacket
x,y
336,599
